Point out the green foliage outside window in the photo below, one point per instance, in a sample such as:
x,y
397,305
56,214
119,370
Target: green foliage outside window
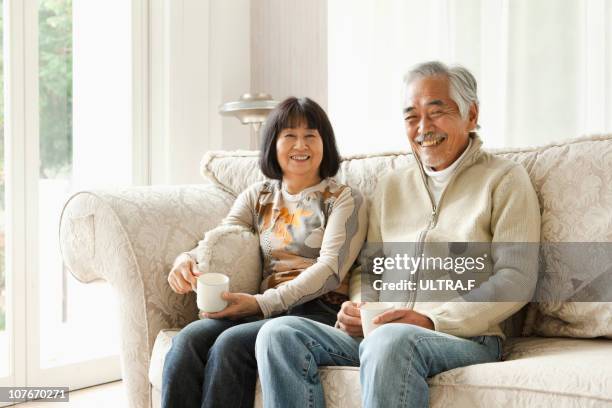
x,y
55,87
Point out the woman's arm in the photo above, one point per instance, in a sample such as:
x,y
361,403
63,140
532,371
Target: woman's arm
x,y
243,210
241,213
342,240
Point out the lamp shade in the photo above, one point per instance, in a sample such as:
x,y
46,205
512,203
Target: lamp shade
x,y
250,108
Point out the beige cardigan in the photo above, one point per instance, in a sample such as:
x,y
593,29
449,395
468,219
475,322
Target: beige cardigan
x,y
488,199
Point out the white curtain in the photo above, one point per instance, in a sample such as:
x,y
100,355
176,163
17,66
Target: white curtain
x,y
544,67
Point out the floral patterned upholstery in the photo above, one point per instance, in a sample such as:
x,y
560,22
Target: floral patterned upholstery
x,y
130,238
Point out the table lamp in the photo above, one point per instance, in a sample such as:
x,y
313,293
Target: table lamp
x,y
251,109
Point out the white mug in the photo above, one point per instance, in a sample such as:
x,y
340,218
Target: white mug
x,y
209,289
369,311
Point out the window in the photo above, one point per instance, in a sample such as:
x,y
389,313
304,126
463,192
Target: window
x,y
68,127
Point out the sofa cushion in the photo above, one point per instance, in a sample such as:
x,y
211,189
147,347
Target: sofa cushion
x,y
158,356
574,185
570,319
536,372
234,251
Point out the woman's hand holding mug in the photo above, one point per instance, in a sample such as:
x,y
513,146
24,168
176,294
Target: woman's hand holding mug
x,y
240,305
184,274
183,278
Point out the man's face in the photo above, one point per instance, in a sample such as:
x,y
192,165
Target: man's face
x,y
434,126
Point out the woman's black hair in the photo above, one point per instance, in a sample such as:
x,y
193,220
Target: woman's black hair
x,y
291,113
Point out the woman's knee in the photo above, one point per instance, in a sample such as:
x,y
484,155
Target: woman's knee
x,y
197,336
235,340
184,339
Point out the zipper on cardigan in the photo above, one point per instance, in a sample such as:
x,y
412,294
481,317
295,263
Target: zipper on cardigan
x,y
434,217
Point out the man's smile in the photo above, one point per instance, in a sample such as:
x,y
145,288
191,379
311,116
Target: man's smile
x,y
430,139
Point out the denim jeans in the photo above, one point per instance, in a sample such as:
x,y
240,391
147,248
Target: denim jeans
x,y
211,363
396,360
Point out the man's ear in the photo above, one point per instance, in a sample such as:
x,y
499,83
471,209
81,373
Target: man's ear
x,y
473,118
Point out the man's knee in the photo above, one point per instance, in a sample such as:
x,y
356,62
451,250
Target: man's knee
x,y
391,340
279,332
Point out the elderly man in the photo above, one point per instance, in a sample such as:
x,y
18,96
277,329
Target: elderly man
x,y
453,193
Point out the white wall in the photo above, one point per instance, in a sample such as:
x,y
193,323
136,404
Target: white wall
x,y
229,70
289,48
199,59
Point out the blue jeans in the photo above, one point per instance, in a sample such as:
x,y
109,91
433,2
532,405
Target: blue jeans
x,y
211,363
396,360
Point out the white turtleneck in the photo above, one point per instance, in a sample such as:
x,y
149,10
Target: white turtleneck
x,y
437,180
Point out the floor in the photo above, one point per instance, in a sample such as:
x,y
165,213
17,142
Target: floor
x,y
100,396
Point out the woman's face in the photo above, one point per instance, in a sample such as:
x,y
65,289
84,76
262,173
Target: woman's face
x,y
299,152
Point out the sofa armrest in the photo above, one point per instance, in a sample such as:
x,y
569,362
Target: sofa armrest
x,y
130,238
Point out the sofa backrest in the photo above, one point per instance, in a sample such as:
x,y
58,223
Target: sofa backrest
x,y
573,180
235,171
570,177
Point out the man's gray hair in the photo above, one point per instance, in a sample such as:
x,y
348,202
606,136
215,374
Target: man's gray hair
x,y
463,88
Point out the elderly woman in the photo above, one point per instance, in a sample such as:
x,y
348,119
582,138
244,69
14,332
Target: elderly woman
x,y
310,230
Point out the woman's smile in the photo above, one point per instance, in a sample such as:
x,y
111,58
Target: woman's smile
x,y
300,157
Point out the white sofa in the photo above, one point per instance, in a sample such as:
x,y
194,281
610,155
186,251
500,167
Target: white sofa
x,y
130,237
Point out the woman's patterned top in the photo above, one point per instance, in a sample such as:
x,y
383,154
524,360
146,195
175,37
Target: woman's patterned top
x,y
308,240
